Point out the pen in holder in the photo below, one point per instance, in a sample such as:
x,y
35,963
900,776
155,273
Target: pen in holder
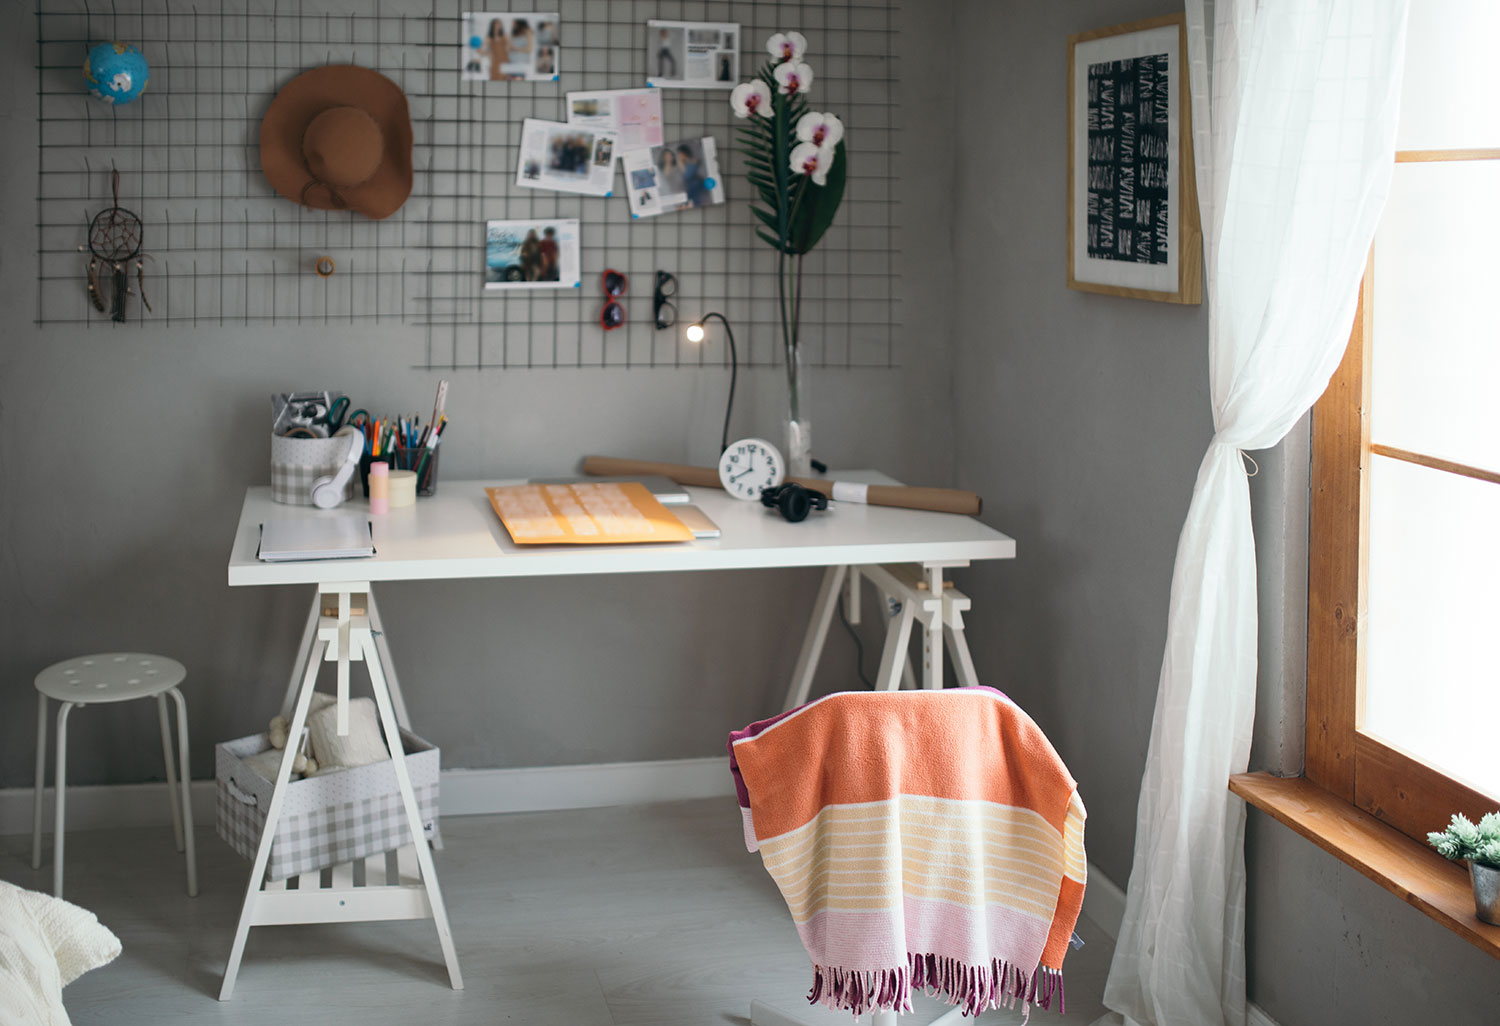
x,y
423,461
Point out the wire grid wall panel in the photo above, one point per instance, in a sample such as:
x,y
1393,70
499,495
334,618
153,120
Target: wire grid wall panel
x,y
224,249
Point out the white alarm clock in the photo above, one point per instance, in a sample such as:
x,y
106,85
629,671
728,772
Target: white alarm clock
x,y
750,466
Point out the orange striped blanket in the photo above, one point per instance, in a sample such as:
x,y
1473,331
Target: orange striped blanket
x,y
922,839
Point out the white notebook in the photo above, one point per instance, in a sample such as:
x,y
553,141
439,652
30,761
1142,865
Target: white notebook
x,y
316,537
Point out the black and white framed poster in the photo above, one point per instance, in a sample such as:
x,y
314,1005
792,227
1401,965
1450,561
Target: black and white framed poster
x,y
1132,206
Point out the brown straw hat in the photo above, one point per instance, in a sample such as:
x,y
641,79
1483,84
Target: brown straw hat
x,y
339,138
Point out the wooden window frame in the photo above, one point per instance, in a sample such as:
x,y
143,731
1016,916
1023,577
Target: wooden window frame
x,y
1362,770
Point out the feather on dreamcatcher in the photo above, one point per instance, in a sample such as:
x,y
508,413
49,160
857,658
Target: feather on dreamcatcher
x,y
115,239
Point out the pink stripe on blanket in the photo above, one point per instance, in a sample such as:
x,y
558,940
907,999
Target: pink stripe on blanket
x,y
881,938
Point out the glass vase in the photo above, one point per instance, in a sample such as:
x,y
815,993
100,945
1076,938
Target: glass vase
x,y
796,428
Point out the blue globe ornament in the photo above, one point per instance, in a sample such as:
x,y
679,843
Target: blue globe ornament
x,y
116,72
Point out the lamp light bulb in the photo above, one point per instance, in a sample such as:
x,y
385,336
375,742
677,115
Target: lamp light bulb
x,y
695,333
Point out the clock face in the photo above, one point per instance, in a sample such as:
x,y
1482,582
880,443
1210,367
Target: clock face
x,y
750,466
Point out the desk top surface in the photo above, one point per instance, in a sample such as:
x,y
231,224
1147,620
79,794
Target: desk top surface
x,y
456,534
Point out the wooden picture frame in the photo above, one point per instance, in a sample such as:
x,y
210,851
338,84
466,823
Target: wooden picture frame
x,y
1133,226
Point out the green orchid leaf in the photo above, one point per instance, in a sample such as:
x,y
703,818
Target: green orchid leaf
x,y
769,240
819,206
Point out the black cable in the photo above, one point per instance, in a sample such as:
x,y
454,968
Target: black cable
x,y
859,648
734,372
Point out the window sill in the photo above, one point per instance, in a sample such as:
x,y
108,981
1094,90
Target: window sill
x,y
1413,872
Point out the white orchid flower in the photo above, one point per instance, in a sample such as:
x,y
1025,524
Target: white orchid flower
x,y
786,46
751,98
820,129
813,160
794,77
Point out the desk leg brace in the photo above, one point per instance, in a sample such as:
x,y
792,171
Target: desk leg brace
x,y
348,899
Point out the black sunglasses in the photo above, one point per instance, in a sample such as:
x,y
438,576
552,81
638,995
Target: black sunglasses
x,y
664,311
613,314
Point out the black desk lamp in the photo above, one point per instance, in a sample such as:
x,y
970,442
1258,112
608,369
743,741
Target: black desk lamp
x,y
696,333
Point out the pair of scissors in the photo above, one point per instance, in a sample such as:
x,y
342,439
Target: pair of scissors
x,y
337,410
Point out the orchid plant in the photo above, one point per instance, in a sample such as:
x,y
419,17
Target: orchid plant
x,y
795,160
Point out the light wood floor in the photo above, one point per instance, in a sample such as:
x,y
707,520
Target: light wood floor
x,y
650,915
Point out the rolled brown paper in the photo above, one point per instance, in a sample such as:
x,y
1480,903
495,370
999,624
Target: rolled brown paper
x,y
937,500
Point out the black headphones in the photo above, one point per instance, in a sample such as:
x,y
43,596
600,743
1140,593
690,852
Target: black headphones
x,y
794,501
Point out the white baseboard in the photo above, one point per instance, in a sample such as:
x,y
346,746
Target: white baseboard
x,y
1104,904
1255,1016
463,793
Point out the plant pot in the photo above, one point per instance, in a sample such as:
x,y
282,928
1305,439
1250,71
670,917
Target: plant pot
x,y
1486,880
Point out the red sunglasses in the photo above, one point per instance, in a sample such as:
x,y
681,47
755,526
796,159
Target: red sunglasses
x,y
612,315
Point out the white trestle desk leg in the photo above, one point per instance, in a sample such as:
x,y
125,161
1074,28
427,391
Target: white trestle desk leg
x,y
932,634
893,656
273,815
817,633
413,813
294,679
958,643
381,646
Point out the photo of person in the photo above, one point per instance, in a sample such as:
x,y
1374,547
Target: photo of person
x,y
668,172
692,54
670,55
531,254
566,157
568,153
506,47
676,176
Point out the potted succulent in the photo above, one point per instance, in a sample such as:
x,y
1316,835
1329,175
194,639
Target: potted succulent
x,y
1479,844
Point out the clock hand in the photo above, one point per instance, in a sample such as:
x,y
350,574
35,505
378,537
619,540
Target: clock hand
x,y
736,477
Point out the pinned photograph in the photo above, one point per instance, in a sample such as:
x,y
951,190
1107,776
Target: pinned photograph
x,y
692,54
634,115
510,47
674,176
531,255
566,157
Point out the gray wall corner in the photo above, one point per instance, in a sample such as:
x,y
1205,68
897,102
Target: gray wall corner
x,y
1279,494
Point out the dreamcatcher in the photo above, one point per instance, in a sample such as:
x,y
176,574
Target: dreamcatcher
x,y
115,236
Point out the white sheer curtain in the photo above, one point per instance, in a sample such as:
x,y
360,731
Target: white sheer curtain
x,y
1294,125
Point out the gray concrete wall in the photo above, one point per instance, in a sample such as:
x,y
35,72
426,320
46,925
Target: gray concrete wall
x,y
1082,420
116,518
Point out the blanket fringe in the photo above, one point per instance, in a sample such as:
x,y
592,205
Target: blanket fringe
x,y
973,987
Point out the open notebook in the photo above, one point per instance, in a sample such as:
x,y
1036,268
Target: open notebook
x,y
345,536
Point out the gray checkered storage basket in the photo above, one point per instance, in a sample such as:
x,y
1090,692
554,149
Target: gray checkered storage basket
x,y
297,462
326,819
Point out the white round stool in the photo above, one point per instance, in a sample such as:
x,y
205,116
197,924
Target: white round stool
x,y
111,677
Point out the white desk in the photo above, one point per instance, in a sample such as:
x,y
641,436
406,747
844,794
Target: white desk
x,y
455,534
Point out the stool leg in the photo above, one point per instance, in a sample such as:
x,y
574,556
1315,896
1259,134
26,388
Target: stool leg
x,y
166,751
41,780
187,798
60,785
